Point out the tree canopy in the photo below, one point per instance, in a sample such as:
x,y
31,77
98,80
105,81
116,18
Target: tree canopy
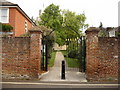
x,y
71,26
51,17
65,23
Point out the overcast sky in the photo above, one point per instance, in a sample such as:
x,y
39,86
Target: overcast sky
x,y
96,11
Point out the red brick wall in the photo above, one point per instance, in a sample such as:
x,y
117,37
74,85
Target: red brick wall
x,y
102,57
108,56
35,53
119,58
21,56
15,56
92,62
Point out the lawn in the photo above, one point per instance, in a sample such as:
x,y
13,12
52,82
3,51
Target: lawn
x,y
71,61
52,59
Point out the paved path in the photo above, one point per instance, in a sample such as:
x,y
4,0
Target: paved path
x,y
55,72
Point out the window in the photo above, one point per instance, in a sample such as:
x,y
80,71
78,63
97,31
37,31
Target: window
x,y
112,33
26,26
4,15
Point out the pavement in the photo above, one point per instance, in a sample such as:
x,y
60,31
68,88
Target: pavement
x,y
55,85
54,74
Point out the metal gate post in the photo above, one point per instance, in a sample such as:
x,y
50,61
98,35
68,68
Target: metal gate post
x,y
43,58
84,53
46,55
80,68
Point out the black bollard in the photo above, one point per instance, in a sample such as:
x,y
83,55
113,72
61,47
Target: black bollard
x,y
63,70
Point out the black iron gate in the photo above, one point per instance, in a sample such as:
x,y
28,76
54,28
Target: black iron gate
x,y
44,52
75,54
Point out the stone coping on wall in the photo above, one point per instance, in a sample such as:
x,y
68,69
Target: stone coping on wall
x,y
35,29
92,29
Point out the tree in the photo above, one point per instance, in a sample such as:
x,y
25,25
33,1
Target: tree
x,y
65,23
50,37
71,26
51,17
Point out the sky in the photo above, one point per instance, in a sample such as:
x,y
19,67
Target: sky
x,y
96,11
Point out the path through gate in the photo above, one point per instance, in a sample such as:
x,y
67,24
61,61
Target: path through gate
x,y
75,54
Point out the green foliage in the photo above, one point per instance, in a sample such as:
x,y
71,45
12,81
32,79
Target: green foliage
x,y
6,27
71,26
51,17
66,24
52,59
118,34
73,23
102,33
73,54
72,62
49,37
73,50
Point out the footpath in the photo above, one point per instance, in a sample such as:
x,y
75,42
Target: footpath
x,y
54,74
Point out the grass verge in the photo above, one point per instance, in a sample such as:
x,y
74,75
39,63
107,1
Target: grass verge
x,y
73,63
52,59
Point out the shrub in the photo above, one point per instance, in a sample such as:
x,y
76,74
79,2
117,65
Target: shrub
x,y
117,34
73,54
6,27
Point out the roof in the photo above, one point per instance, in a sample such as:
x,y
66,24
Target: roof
x,y
5,3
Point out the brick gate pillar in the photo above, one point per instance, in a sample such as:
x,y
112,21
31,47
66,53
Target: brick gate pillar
x,y
92,62
35,52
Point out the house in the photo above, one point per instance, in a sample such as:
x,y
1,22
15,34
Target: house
x,y
12,14
112,32
57,47
108,32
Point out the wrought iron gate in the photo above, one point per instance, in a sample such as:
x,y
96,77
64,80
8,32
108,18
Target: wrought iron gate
x,y
75,55
44,52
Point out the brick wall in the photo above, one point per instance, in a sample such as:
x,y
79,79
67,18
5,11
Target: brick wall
x,y
102,57
108,56
21,56
15,56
